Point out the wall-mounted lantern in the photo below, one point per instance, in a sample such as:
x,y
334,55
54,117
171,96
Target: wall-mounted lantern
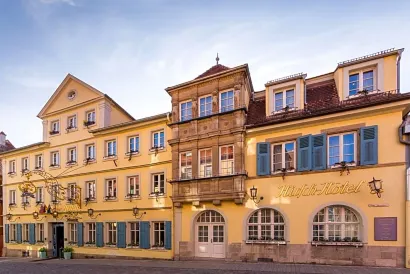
x,y
135,212
376,187
36,216
90,212
54,214
9,217
254,195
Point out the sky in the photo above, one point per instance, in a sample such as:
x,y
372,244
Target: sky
x,y
132,50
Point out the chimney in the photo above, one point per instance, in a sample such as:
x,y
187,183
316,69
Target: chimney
x,y
2,138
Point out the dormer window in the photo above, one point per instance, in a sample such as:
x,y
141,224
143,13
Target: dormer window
x,y
360,81
226,101
186,111
284,99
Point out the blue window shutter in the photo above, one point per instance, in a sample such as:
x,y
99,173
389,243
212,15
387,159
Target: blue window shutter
x,y
368,145
168,235
99,235
80,230
144,235
7,233
32,233
19,233
263,158
319,150
304,152
121,229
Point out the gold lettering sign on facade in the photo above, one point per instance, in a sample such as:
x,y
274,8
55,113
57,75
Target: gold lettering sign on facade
x,y
329,188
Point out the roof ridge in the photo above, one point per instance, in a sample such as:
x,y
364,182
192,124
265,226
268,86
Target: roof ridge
x,y
213,70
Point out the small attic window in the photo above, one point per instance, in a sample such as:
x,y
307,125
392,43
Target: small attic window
x,y
71,95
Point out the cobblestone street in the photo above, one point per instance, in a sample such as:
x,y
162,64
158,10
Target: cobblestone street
x,y
17,266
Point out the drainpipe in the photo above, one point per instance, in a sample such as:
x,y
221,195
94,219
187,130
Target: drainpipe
x,y
402,128
398,68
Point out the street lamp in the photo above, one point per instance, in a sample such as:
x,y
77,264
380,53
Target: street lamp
x,y
90,212
135,212
254,194
376,187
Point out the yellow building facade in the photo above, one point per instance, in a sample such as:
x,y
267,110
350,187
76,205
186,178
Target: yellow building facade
x,y
98,181
309,170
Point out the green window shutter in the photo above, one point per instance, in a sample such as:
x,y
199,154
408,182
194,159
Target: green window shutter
x,y
121,230
80,233
263,158
304,152
32,233
19,233
99,235
7,233
368,145
319,150
168,235
144,235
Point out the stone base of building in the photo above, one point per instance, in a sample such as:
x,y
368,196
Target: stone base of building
x,y
7,252
388,256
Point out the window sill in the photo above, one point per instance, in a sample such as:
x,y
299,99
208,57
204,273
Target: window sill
x,y
158,248
55,167
69,130
265,242
283,111
39,168
91,161
110,158
356,244
152,196
127,198
111,200
129,155
111,246
13,243
340,166
70,164
152,151
40,243
12,174
89,126
90,245
90,201
54,134
279,172
361,95
133,247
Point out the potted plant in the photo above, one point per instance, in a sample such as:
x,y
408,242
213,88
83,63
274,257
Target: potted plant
x,y
68,250
42,252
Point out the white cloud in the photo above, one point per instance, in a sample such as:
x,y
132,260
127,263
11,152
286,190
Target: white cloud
x,y
69,2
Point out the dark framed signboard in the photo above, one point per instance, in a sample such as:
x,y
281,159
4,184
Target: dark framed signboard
x,y
385,229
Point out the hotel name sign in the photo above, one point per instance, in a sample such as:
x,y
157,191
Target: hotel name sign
x,y
329,188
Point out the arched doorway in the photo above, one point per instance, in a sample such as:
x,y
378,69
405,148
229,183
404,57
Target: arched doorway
x,y
210,235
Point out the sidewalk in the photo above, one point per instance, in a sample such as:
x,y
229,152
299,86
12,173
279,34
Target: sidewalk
x,y
231,266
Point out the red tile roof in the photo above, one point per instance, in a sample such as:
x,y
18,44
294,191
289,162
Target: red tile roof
x,y
321,99
213,70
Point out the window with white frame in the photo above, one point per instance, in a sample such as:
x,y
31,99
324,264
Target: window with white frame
x,y
362,80
111,148
90,117
158,139
71,191
111,233
186,165
55,158
226,161
72,155
90,151
336,223
12,167
25,233
266,225
54,193
90,235
12,199
55,127
134,144
13,232
111,188
39,161
283,157
40,233
284,99
133,186
39,195
341,148
226,99
205,106
72,236
159,234
186,111
90,190
25,200
72,122
24,164
134,239
158,183
205,162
